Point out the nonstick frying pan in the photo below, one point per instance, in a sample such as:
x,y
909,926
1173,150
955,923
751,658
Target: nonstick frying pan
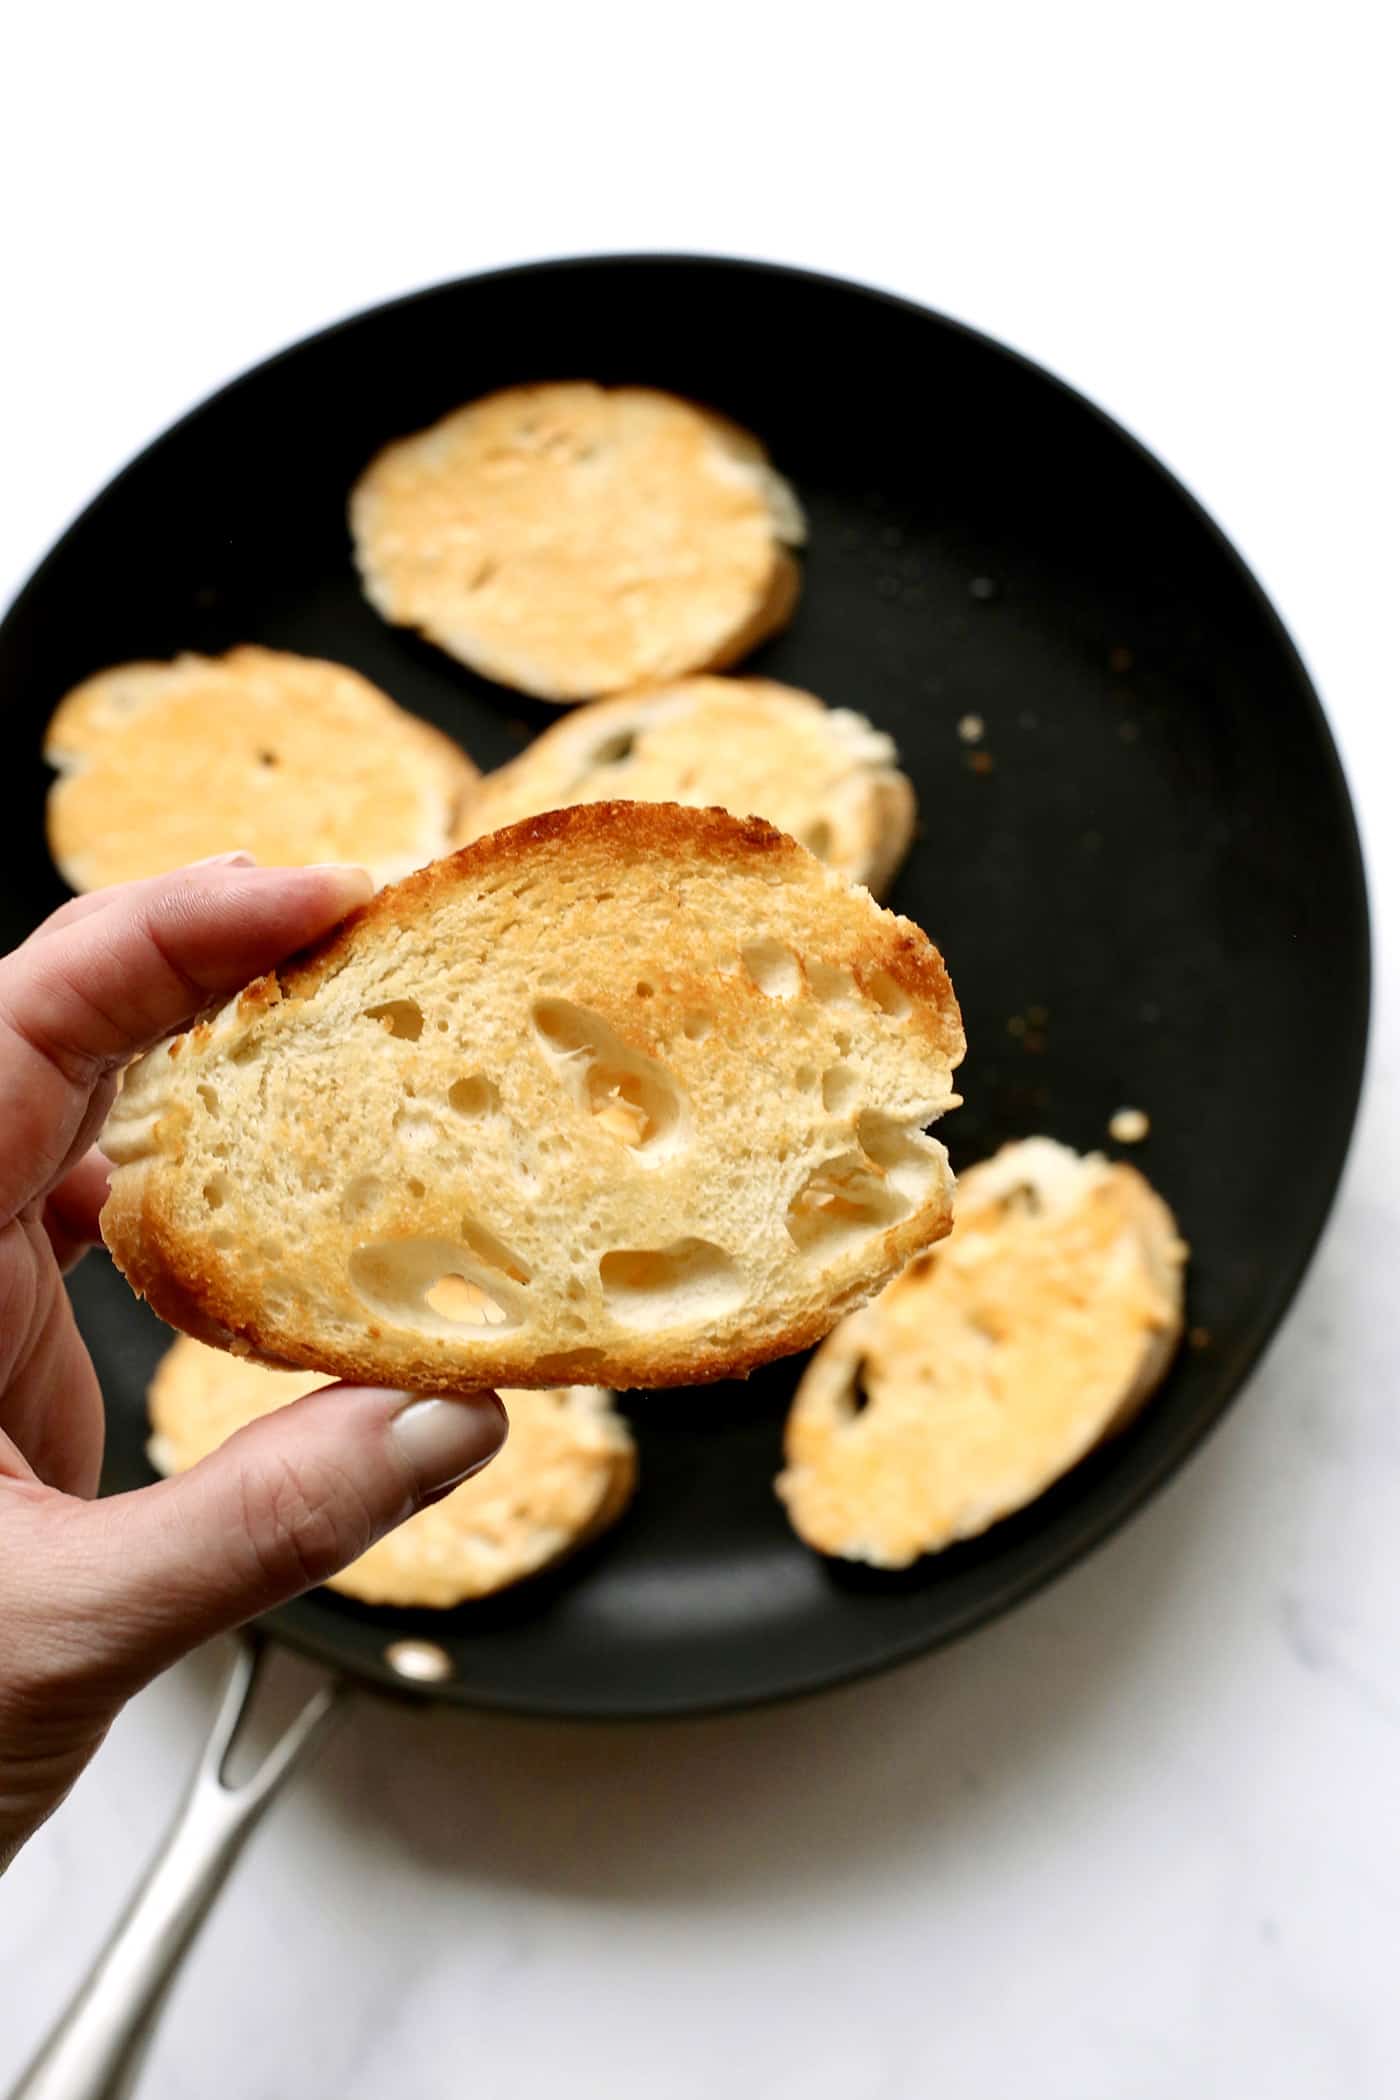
x,y
1142,868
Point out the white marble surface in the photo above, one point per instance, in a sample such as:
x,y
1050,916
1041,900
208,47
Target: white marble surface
x,y
1143,1838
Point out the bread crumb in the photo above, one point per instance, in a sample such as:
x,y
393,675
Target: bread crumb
x,y
972,729
1129,1126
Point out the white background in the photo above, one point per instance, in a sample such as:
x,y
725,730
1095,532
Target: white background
x,y
1142,1839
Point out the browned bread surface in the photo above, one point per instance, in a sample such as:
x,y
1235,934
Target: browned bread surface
x,y
627,1094
754,747
572,540
993,1364
291,758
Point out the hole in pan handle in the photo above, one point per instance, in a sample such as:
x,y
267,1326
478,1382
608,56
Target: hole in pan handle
x,y
96,2048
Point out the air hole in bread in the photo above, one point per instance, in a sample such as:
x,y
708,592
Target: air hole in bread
x,y
216,1191
246,1051
416,1188
494,1252
208,1096
804,1078
666,1287
645,990
817,838
840,1086
832,983
267,758
465,1304
1025,1198
912,1161
773,968
401,1017
615,749
476,1095
629,1095
858,1392
890,997
439,1286
860,1191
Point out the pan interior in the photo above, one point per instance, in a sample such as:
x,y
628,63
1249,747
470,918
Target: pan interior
x,y
1143,872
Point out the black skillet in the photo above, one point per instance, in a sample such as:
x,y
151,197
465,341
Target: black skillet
x,y
1144,874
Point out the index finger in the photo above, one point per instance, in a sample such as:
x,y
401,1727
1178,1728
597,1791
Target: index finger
x,y
82,996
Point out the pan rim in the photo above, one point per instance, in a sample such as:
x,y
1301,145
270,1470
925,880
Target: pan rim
x,y
1123,1497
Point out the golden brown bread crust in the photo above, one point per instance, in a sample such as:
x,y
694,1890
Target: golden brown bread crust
x,y
289,757
198,1290
653,827
823,774
573,540
995,1362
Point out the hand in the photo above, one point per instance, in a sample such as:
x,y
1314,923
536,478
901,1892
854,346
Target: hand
x,y
97,1597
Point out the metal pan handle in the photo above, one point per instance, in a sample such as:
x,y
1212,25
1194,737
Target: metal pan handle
x,y
96,2048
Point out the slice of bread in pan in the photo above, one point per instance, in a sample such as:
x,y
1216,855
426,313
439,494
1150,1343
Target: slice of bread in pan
x,y
567,1471
627,1094
291,758
572,540
993,1364
754,747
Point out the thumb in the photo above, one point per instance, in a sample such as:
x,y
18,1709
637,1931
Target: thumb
x,y
287,1502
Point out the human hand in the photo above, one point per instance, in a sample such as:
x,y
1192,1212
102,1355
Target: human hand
x,y
97,1597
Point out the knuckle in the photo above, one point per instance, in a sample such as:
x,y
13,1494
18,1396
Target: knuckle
x,y
302,1523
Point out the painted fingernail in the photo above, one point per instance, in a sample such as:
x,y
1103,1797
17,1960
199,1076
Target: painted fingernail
x,y
443,1442
236,859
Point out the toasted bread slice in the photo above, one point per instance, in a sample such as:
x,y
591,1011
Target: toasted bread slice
x,y
573,540
627,1092
567,1471
753,747
993,1364
294,759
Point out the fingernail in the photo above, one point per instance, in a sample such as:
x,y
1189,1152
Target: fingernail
x,y
357,884
237,859
443,1442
